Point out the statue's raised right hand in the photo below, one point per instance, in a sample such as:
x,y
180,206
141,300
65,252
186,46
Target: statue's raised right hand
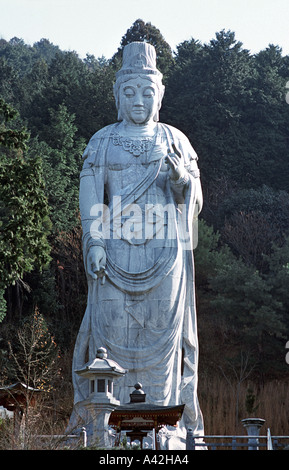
x,y
175,162
96,261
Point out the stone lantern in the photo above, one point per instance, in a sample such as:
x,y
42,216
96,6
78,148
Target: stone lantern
x,y
253,426
101,373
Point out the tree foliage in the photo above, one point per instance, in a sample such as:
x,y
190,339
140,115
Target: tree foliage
x,y
232,106
23,207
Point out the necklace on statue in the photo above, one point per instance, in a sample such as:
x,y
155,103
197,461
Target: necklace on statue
x,y
135,146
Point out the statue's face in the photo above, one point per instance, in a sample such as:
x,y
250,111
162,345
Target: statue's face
x,y
138,100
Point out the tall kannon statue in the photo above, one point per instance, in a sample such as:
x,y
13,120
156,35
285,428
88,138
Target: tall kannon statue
x,y
139,193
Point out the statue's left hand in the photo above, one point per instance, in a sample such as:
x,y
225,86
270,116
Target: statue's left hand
x,y
96,260
176,163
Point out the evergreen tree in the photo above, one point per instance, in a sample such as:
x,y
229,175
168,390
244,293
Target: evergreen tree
x,y
61,157
23,206
266,119
9,82
45,50
277,277
205,98
250,220
239,309
96,104
232,107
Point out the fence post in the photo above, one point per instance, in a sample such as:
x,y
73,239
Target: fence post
x,y
269,440
83,434
190,440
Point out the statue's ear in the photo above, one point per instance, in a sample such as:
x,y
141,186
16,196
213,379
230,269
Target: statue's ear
x,y
116,97
161,95
162,91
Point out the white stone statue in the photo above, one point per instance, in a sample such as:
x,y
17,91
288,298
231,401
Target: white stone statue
x,y
139,190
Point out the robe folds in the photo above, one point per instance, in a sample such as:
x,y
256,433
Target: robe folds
x,y
144,313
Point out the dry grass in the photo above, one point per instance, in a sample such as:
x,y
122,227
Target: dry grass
x,y
223,412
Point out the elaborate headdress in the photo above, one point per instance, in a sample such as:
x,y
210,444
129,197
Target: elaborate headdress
x,y
138,57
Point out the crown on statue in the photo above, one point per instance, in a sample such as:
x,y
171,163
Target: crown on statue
x,y
138,57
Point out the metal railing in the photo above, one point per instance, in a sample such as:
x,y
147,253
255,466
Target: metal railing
x,y
215,442
63,439
211,442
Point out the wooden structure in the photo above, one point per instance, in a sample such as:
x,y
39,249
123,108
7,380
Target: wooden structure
x,y
137,418
18,397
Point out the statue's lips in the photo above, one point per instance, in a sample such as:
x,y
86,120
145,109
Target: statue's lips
x,y
138,110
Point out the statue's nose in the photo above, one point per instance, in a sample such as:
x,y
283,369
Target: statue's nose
x,y
138,101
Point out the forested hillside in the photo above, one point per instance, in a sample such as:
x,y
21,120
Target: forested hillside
x,y
231,104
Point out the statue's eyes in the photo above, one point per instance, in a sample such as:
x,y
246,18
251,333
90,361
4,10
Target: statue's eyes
x,y
149,92
129,92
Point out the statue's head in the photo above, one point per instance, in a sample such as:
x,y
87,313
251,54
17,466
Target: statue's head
x,y
138,89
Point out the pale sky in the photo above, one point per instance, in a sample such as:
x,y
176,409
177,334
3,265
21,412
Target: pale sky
x,y
97,26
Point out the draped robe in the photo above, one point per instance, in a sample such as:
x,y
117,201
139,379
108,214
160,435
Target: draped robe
x,y
144,313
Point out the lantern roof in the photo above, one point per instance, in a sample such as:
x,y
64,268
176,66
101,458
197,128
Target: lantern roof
x,y
101,365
